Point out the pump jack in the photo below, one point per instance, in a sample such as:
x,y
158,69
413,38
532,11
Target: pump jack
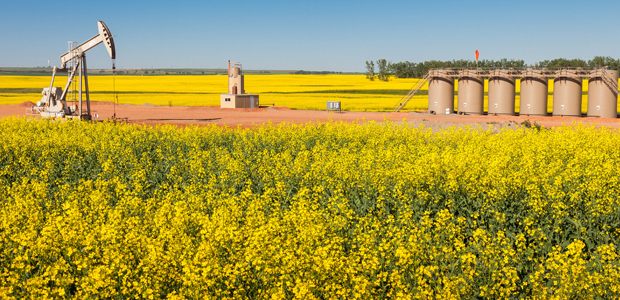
x,y
53,103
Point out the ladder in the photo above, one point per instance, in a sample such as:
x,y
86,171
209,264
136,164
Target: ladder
x,y
414,90
72,92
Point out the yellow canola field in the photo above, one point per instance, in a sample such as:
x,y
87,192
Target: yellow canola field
x,y
294,91
314,211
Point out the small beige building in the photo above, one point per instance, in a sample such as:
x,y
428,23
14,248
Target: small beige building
x,y
236,97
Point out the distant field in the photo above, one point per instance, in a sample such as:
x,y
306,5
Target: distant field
x,y
294,91
41,71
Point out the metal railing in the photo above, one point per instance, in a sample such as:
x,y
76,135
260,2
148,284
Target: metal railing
x,y
609,80
516,72
411,93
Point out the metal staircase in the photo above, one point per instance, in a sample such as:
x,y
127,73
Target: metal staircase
x,y
416,88
611,83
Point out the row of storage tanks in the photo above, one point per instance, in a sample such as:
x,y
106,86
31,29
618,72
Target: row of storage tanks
x,y
567,87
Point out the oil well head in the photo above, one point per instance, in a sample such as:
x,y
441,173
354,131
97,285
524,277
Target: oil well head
x,y
236,84
236,96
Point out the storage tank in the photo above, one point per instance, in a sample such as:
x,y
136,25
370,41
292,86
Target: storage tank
x,y
501,93
603,99
567,93
235,72
534,91
441,92
471,92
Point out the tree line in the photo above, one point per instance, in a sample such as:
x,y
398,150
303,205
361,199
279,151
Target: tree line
x,y
384,69
302,72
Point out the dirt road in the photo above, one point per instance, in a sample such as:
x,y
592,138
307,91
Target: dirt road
x,y
182,116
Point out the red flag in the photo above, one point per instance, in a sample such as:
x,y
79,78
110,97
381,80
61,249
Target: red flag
x,y
477,54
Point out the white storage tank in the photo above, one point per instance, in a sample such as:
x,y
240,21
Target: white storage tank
x,y
534,92
441,92
567,93
501,92
470,92
603,93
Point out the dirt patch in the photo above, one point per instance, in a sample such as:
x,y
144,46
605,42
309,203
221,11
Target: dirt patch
x,y
203,108
27,104
280,108
101,103
250,117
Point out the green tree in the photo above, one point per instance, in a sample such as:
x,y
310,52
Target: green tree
x,y
418,70
370,70
402,69
383,74
604,61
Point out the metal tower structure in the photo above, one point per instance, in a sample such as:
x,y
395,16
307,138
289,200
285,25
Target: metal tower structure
x,y
54,101
72,93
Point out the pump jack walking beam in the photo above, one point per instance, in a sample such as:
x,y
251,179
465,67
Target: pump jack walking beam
x,y
104,36
52,103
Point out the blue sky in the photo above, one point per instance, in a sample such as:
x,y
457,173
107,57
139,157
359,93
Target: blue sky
x,y
309,35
